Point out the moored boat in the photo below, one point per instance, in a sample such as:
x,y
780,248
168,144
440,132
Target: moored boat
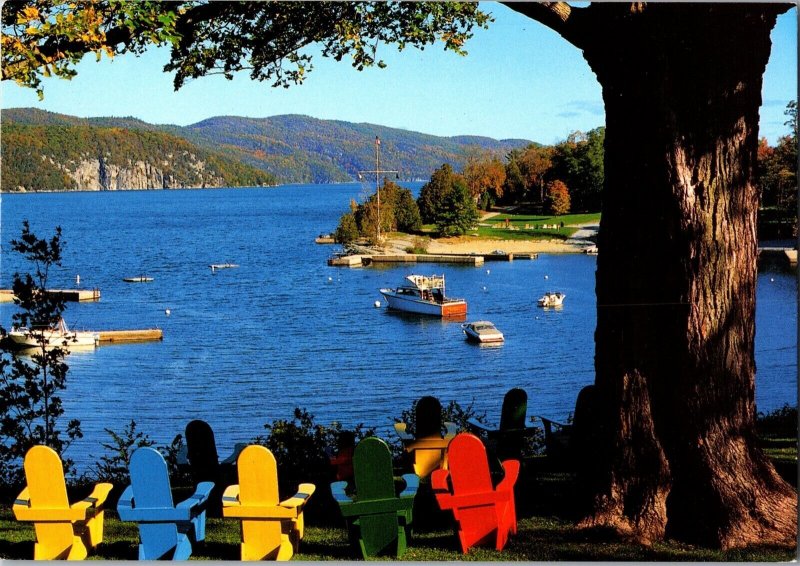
x,y
424,294
139,279
57,337
483,331
551,299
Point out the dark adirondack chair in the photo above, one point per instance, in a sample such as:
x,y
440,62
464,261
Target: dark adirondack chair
x,y
270,528
205,465
378,519
342,461
507,441
63,530
483,514
166,531
565,442
427,447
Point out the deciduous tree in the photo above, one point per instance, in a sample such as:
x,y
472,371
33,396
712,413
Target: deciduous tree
x,y
557,201
675,367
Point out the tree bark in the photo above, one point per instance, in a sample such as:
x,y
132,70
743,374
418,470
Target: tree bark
x,y
676,277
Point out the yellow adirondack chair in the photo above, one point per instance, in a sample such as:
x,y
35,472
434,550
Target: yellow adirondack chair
x,y
271,529
63,531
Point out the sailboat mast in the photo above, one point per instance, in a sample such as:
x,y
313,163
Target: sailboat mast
x,y
377,182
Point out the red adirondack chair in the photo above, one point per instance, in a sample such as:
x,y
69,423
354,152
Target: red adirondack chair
x,y
483,513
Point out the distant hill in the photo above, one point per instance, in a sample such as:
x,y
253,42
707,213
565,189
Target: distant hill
x,y
290,148
42,151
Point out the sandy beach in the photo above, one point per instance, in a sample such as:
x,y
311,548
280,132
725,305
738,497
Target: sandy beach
x,y
473,245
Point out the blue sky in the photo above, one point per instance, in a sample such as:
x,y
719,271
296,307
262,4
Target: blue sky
x,y
520,80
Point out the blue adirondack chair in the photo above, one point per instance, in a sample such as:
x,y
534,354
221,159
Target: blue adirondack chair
x,y
165,530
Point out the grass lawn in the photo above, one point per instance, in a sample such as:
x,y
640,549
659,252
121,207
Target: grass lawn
x,y
546,532
524,226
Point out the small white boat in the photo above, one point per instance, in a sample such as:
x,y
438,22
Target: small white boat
x,y
215,266
591,250
551,299
424,294
58,337
482,331
139,279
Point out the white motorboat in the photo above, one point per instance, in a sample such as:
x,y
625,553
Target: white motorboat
x,y
424,294
58,337
482,331
551,299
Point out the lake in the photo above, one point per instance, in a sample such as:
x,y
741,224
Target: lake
x,y
245,346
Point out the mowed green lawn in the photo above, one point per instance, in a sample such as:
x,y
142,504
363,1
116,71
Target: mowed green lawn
x,y
528,226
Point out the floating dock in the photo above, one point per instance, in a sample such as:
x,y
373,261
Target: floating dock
x,y
76,295
779,255
426,258
127,336
465,259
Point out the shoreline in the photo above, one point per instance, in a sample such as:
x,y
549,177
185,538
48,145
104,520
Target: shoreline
x,y
465,245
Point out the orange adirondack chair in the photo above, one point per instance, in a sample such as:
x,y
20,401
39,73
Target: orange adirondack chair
x,y
63,531
483,513
271,529
427,447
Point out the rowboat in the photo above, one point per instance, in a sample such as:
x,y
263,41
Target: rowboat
x,y
424,294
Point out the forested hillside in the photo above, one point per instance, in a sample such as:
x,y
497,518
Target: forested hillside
x,y
42,151
286,149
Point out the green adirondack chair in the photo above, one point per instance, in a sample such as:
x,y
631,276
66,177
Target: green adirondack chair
x,y
379,519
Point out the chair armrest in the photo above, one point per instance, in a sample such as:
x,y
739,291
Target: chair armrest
x,y
439,480
95,501
299,499
230,496
24,512
549,422
401,430
412,484
478,427
237,449
451,429
196,502
337,490
511,473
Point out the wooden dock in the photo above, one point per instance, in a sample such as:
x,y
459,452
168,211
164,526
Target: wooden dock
x,y
127,336
427,258
781,255
75,295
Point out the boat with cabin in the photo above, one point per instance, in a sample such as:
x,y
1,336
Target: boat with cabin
x,y
424,294
551,299
483,331
58,336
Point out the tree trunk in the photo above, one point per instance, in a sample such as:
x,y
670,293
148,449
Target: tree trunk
x,y
676,278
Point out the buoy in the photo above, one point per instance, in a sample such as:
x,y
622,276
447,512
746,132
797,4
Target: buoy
x,y
484,287
330,278
167,312
772,279
488,271
377,304
546,277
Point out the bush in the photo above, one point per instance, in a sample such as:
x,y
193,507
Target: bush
x,y
301,448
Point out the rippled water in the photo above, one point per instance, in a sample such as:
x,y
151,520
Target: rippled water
x,y
244,346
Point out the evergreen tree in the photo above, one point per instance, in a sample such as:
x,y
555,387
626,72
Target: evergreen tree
x,y
30,405
458,212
